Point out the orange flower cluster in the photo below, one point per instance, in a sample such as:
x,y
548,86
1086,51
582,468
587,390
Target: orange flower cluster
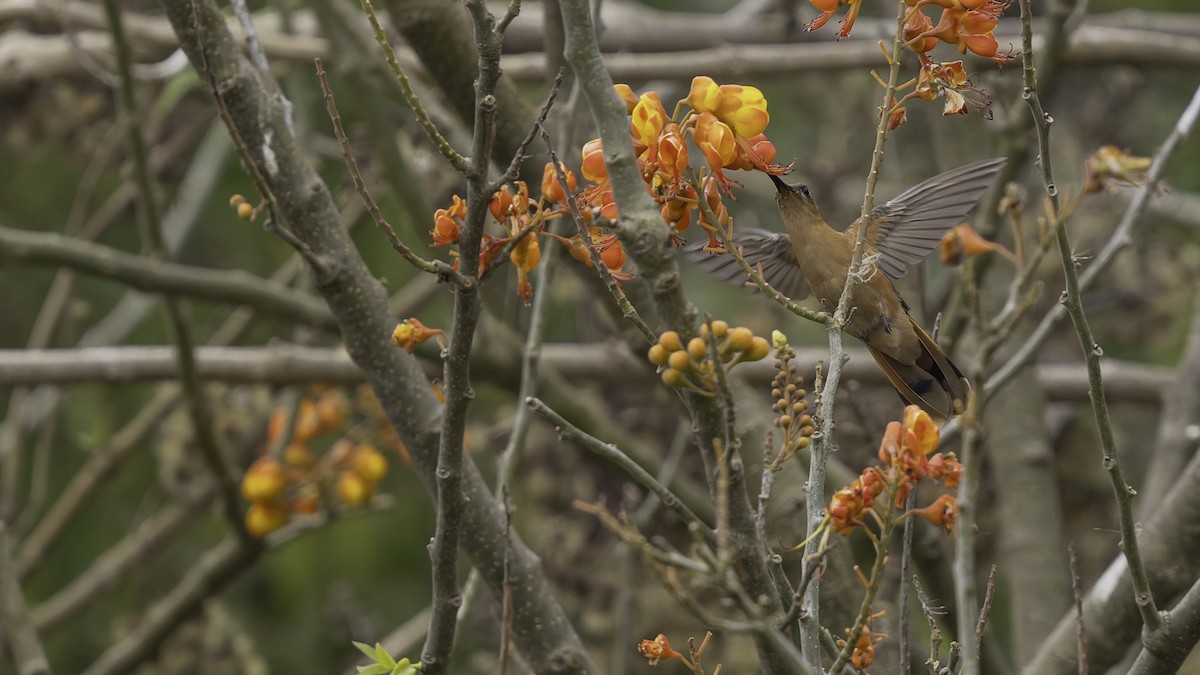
x,y
969,25
864,647
906,456
523,221
726,124
612,254
279,488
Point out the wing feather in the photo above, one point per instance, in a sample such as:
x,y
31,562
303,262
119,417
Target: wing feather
x,y
907,228
772,250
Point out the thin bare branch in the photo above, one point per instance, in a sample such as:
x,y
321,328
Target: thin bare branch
x,y
614,456
215,570
22,635
1081,627
823,438
438,267
461,164
179,326
514,167
1073,302
627,309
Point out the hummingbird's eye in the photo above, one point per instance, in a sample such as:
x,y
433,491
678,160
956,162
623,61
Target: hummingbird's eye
x,y
804,191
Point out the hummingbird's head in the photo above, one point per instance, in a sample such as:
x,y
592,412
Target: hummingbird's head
x,y
794,199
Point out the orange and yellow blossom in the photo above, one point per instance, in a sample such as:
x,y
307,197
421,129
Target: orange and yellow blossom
x,y
525,257
552,189
715,139
658,649
943,512
593,167
625,92
648,119
743,108
829,8
447,223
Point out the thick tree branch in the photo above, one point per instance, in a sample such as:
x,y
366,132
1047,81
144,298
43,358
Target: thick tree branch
x,y
647,241
1169,539
230,286
601,363
698,43
1166,652
541,631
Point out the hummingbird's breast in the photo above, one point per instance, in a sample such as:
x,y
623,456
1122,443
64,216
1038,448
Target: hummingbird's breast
x,y
880,318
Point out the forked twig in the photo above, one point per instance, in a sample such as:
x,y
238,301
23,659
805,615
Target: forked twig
x,y
440,268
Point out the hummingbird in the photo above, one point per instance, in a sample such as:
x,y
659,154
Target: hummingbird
x,y
813,257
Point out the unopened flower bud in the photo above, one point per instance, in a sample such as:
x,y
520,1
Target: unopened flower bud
x,y
680,361
740,339
657,355
670,341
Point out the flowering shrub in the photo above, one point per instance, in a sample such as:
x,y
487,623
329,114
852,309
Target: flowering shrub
x,y
725,123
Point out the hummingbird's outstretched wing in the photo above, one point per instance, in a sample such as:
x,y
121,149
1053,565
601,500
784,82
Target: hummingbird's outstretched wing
x,y
908,227
772,250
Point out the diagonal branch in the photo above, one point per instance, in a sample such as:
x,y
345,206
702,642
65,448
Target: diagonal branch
x,y
614,456
438,267
22,636
1122,236
461,164
541,631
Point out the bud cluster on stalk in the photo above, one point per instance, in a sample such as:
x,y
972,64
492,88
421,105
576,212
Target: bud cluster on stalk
x,y
691,366
790,404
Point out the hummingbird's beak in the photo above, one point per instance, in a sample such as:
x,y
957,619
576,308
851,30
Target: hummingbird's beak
x,y
779,184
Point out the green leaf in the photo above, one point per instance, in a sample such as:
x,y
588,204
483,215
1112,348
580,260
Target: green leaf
x,y
365,649
406,667
383,657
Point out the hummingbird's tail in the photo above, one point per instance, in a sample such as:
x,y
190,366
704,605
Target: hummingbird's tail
x,y
932,382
